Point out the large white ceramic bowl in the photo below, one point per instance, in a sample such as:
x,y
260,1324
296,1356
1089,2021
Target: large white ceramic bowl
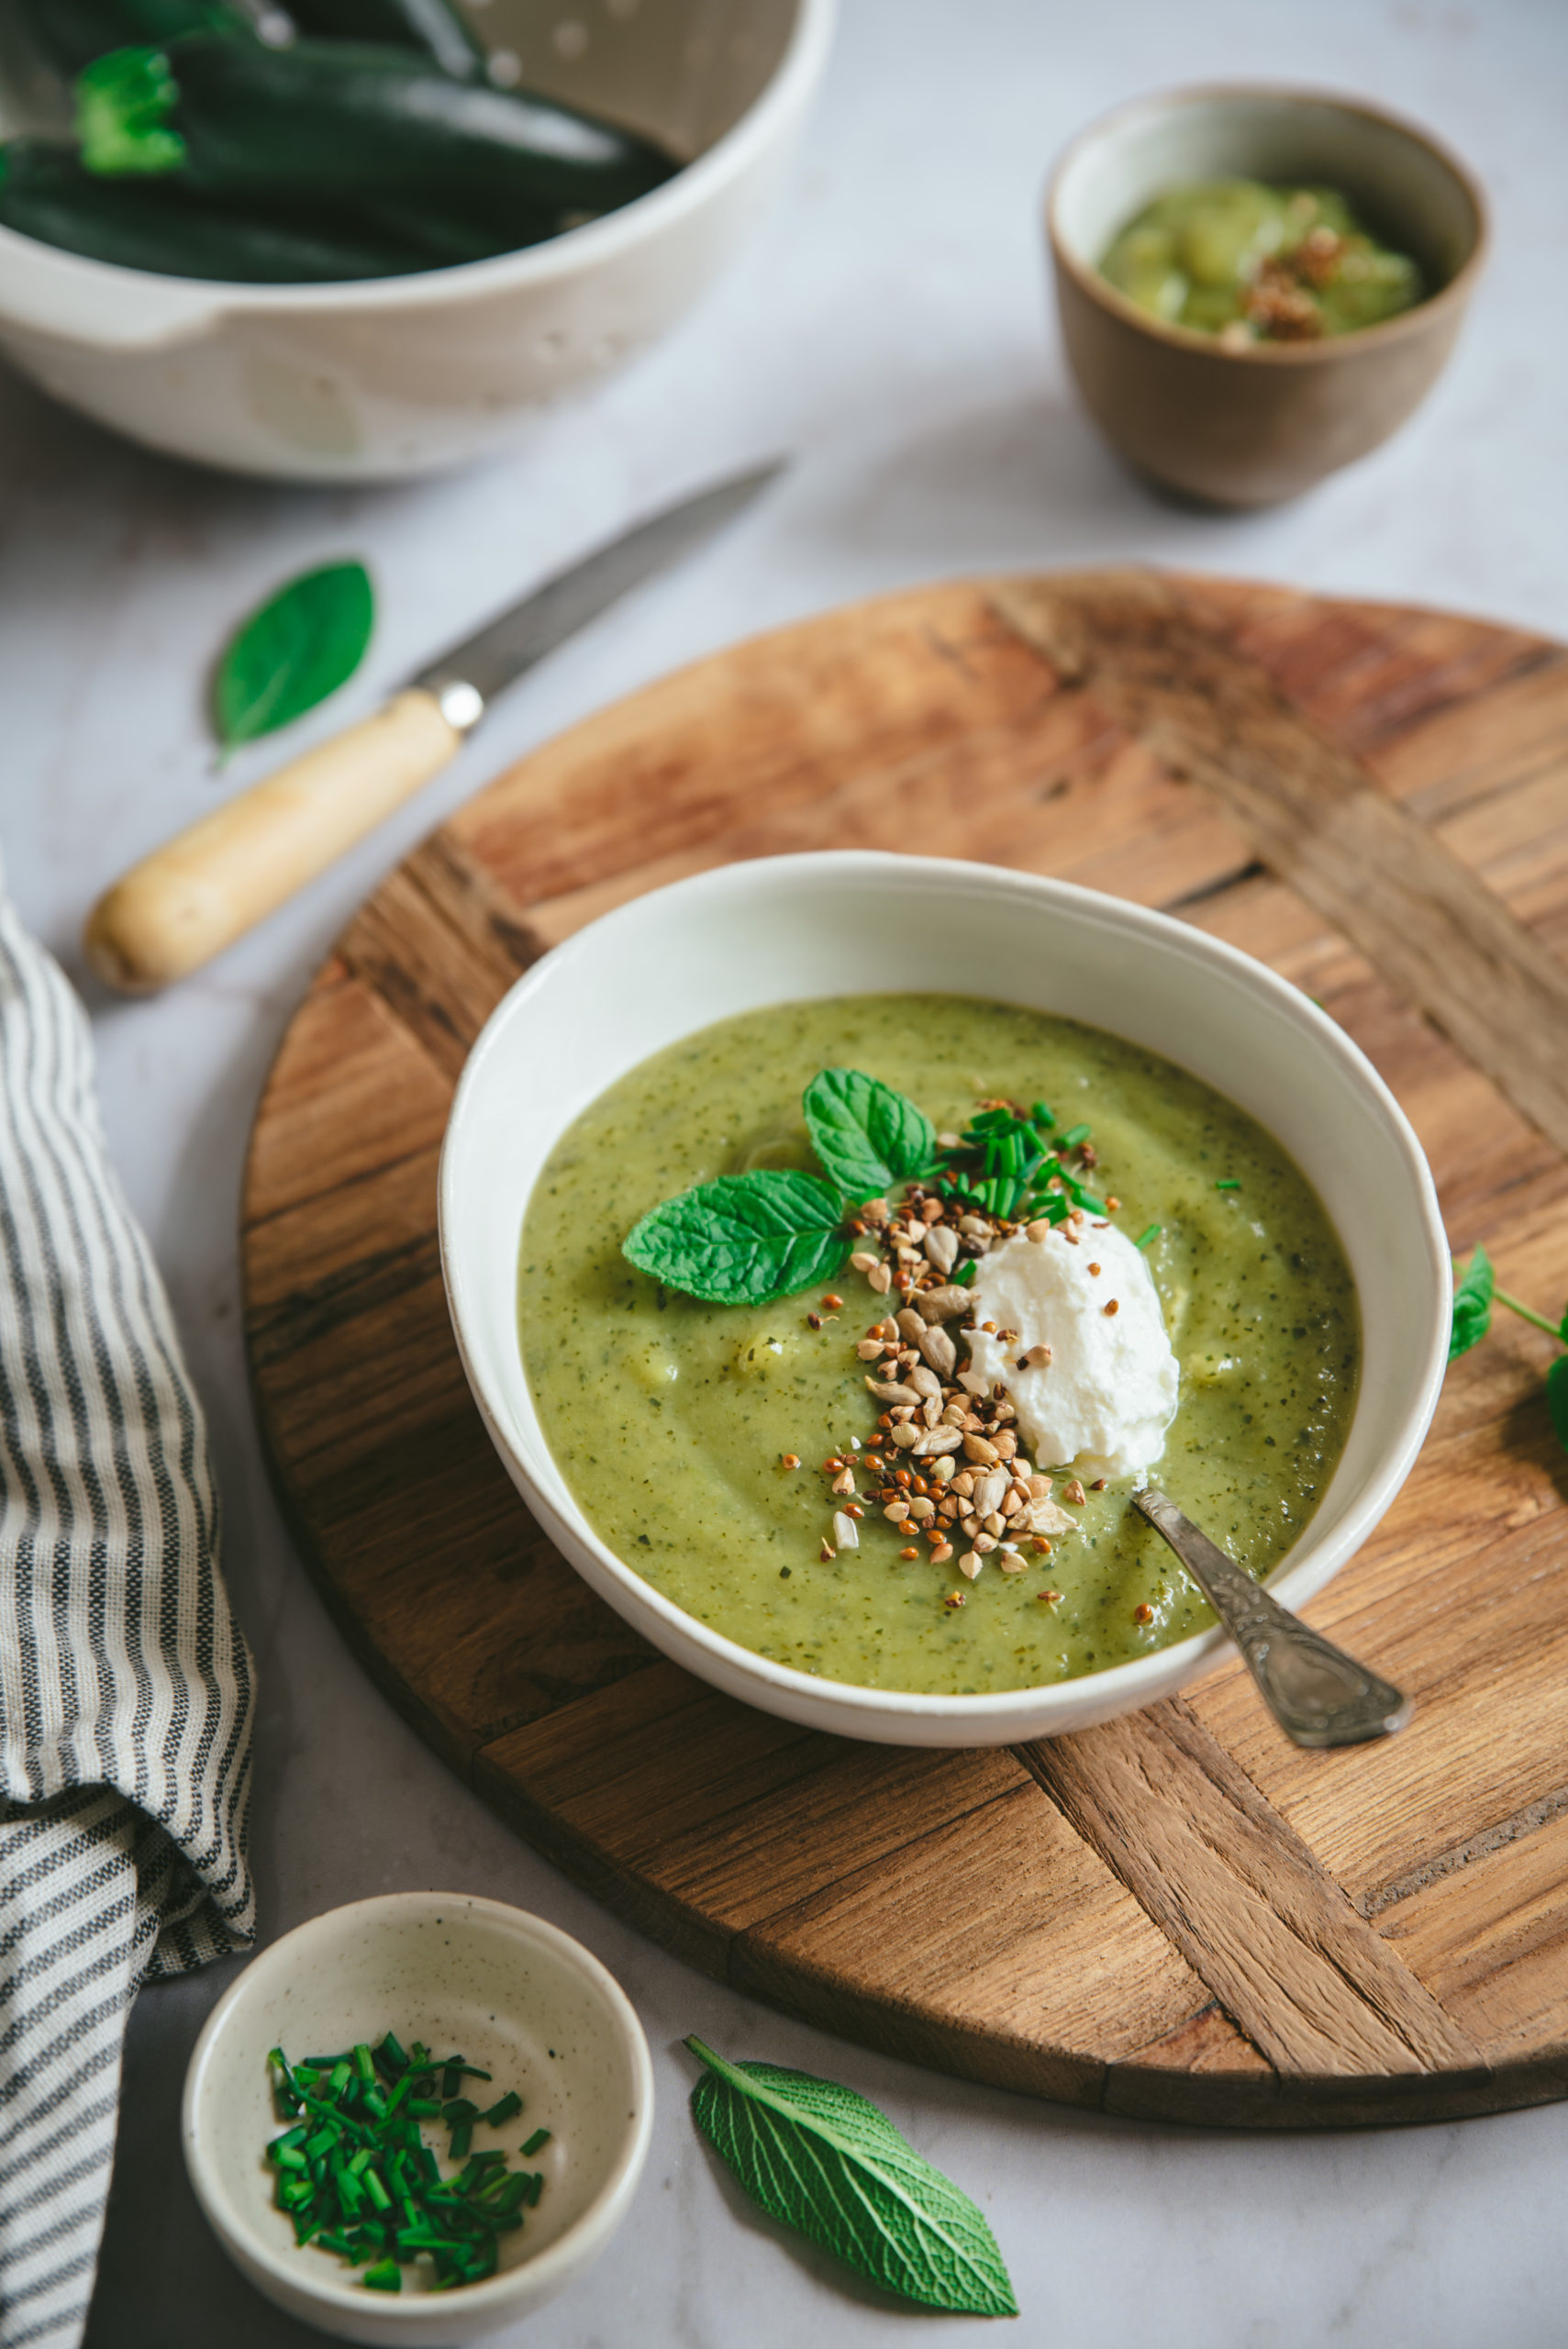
x,y
852,922
472,1978
405,375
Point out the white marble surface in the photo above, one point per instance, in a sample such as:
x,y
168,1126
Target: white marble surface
x,y
890,328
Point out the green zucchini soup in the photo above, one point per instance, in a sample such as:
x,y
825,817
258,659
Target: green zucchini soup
x,y
914,1470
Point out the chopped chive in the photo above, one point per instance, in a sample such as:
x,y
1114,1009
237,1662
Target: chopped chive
x,y
451,2078
540,2137
1074,1135
1041,1115
1152,1233
1230,1183
355,2176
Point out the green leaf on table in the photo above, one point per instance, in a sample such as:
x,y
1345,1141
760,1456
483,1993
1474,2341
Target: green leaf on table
x,y
867,1136
744,1239
1557,1397
1472,1305
292,651
821,2159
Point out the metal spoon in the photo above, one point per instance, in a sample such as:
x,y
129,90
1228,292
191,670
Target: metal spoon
x,y
1318,1695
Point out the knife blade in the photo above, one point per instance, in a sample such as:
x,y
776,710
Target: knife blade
x,y
475,670
199,892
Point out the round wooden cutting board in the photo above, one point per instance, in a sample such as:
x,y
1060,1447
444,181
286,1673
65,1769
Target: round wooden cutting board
x,y
1176,1914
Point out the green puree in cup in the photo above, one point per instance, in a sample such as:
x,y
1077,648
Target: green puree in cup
x,y
669,1418
1253,264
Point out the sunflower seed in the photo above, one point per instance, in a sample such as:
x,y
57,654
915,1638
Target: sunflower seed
x,y
844,1532
937,1440
941,1247
940,1351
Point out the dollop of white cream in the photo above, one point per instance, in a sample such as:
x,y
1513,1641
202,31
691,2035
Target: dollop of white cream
x,y
1103,1403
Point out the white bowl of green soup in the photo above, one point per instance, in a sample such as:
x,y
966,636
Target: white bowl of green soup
x,y
860,1103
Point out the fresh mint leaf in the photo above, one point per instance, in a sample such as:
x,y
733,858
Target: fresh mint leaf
x,y
744,1239
821,2159
1472,1305
292,651
867,1136
1557,1397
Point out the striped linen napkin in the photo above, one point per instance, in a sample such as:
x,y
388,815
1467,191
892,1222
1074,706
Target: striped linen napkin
x,y
125,1684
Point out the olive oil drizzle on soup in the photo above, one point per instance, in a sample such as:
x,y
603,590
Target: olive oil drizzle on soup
x,y
669,1419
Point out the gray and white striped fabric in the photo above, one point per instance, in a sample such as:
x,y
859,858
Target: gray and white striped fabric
x,y
125,1686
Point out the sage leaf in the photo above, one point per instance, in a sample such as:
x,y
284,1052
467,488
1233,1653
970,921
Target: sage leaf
x,y
867,1136
744,1239
292,651
821,2159
1557,1397
1472,1305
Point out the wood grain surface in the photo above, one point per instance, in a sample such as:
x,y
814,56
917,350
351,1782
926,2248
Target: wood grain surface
x,y
1175,1915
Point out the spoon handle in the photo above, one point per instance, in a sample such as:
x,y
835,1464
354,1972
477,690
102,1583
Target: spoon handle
x,y
1318,1695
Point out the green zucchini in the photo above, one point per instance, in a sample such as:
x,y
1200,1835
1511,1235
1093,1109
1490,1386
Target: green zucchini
x,y
426,25
343,121
155,225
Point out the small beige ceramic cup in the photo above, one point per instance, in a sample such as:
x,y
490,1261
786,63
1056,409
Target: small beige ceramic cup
x,y
506,1990
1250,426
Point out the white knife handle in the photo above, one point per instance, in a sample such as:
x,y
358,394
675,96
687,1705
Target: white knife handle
x,y
205,888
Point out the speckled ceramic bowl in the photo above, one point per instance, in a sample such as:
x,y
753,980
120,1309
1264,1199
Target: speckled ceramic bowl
x,y
1248,427
512,1994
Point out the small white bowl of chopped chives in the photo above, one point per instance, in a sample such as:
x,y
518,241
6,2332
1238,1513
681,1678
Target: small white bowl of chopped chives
x,y
414,2119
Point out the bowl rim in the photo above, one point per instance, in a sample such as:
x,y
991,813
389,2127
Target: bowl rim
x,y
561,256
1126,1687
1454,296
533,2275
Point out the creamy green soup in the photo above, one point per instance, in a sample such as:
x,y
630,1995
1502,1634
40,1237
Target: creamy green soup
x,y
670,1419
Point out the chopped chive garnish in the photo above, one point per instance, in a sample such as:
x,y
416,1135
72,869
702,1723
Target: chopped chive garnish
x,y
355,2176
1152,1233
1230,1183
1041,1115
1073,1136
541,2136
